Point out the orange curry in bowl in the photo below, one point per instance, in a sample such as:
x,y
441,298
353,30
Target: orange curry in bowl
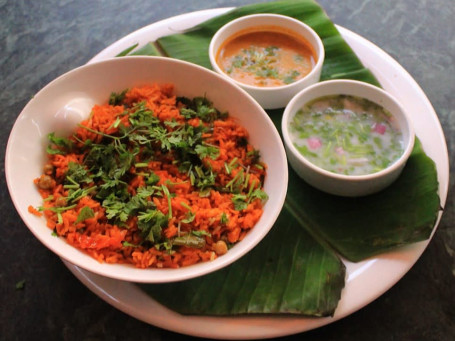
x,y
266,57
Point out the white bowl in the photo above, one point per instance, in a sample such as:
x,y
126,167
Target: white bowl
x,y
66,101
339,184
279,96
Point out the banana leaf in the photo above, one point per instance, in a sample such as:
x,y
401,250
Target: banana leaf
x,y
325,225
357,228
287,273
148,49
340,61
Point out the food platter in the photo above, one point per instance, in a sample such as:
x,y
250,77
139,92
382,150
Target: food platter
x,y
365,281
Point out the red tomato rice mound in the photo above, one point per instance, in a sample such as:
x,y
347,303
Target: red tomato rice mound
x,y
153,180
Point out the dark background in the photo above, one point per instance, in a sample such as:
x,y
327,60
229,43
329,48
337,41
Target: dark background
x,y
40,40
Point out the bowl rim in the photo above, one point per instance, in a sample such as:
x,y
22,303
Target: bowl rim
x,y
220,31
135,274
290,111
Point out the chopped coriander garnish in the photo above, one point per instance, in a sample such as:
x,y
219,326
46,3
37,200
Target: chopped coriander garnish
x,y
85,213
224,219
138,163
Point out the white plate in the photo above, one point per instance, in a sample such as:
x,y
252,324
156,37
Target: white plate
x,y
365,281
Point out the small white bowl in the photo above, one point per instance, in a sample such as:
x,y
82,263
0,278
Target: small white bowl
x,y
279,96
66,101
339,184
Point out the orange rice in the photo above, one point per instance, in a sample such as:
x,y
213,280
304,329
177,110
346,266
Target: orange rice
x,y
214,212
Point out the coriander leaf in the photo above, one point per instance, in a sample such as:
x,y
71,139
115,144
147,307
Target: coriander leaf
x,y
58,145
112,186
258,194
199,107
115,208
188,113
172,124
201,233
202,179
117,98
152,179
151,223
85,213
145,192
128,244
207,151
135,204
77,173
291,77
224,219
141,116
175,140
240,201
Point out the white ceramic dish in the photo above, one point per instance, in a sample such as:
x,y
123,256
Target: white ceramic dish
x,y
66,101
270,97
365,281
340,184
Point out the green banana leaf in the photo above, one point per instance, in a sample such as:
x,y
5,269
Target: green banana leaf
x,y
340,61
288,273
302,273
357,228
